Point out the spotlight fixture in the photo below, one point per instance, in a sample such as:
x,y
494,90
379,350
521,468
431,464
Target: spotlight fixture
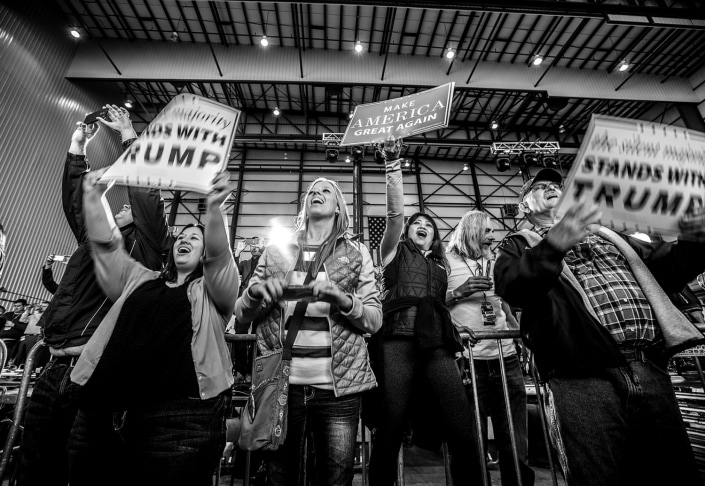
x,y
75,33
264,42
128,103
358,47
531,159
623,66
174,36
537,60
357,153
494,125
407,163
379,157
286,156
276,111
561,129
332,156
347,159
550,161
350,115
450,53
465,166
503,164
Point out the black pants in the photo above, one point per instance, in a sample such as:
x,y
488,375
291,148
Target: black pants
x,y
402,366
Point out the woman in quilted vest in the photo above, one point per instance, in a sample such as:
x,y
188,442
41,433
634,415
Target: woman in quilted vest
x,y
323,281
418,342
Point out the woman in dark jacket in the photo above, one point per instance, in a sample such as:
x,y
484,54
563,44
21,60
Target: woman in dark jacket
x,y
418,342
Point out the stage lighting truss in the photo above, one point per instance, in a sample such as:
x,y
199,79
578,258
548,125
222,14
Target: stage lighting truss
x,y
539,147
332,138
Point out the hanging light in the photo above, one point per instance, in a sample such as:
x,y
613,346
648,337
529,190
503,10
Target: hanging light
x,y
450,53
75,33
264,42
623,66
503,164
494,125
358,47
407,163
276,111
332,156
128,103
174,36
538,59
358,153
350,115
286,156
561,129
465,166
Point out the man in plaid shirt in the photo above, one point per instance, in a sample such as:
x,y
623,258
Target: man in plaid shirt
x,y
597,316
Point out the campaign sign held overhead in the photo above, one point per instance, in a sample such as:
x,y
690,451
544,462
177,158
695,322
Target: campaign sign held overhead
x,y
183,148
401,117
644,176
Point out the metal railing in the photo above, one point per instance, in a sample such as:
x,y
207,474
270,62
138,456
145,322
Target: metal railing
x,y
20,406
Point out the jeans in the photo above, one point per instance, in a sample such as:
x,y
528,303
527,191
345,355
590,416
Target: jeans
x,y
622,426
491,403
332,423
50,414
176,442
402,368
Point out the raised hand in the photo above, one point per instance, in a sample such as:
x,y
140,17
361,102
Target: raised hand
x,y
573,227
91,184
119,118
81,136
222,187
240,247
693,225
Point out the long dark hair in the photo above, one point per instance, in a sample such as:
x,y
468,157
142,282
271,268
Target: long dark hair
x,y
437,249
169,274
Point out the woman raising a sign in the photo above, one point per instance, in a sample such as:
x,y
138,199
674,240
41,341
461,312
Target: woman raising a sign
x,y
418,342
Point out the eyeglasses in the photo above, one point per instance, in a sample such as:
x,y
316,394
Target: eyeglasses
x,y
542,186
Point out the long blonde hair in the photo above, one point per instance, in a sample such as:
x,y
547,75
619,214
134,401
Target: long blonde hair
x,y
466,240
340,225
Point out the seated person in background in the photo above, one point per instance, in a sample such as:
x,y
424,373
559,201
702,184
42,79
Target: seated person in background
x,y
14,328
474,306
32,334
596,314
48,275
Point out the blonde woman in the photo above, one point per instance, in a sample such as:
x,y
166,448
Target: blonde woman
x,y
330,365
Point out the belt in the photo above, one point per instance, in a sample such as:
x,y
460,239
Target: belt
x,y
65,360
634,354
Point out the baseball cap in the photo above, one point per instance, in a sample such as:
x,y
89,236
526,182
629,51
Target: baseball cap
x,y
550,175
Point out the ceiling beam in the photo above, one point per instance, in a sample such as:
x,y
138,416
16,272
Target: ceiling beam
x,y
167,61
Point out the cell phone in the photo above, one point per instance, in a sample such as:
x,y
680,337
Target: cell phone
x,y
93,117
59,258
297,292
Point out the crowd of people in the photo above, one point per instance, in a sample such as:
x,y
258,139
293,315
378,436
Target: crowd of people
x,y
596,311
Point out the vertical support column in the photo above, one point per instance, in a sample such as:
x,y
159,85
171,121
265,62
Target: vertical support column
x,y
691,116
301,182
419,191
357,200
476,187
238,199
171,221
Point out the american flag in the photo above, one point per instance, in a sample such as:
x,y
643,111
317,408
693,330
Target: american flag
x,y
376,225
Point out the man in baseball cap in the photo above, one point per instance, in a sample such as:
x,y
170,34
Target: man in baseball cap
x,y
602,329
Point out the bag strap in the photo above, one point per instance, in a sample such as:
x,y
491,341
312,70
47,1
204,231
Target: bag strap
x,y
297,318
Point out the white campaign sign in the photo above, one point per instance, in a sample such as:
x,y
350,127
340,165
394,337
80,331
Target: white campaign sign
x,y
644,176
184,147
